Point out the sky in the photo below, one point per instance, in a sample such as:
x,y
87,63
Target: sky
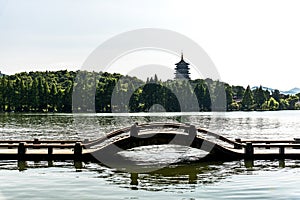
x,y
255,42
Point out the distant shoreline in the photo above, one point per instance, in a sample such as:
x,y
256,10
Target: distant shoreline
x,y
101,92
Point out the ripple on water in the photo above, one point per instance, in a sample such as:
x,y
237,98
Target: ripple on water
x,y
229,180
218,180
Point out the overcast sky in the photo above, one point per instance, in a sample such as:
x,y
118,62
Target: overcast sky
x,y
254,42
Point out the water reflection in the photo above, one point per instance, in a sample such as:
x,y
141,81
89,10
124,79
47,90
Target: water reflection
x,y
174,177
50,163
134,181
22,165
185,176
78,166
249,164
282,163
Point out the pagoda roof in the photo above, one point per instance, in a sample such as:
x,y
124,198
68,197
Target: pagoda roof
x,y
182,61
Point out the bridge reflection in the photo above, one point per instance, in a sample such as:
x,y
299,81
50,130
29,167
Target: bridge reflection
x,y
185,175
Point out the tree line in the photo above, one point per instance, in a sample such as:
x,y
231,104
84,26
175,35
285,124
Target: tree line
x,y
82,91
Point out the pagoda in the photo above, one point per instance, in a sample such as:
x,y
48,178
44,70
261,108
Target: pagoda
x,y
182,69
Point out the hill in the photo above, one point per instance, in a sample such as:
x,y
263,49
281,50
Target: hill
x,y
292,91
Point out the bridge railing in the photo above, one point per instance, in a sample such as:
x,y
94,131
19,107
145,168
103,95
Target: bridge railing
x,y
22,147
37,141
249,149
137,128
236,144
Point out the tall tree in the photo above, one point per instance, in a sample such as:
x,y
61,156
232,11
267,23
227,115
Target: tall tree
x,y
276,95
53,98
247,101
259,97
34,95
200,94
229,97
46,96
3,93
207,99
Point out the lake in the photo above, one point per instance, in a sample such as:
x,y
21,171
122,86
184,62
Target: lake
x,y
269,179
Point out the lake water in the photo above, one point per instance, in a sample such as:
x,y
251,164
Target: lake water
x,y
215,180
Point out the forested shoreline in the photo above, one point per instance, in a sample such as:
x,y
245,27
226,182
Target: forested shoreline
x,y
52,91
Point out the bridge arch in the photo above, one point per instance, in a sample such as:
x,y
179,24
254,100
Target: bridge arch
x,y
164,138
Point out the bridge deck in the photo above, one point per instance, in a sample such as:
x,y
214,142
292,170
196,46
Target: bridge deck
x,y
88,151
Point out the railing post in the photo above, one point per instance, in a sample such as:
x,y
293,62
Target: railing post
x,y
296,141
50,150
134,130
62,143
281,150
78,149
267,145
21,148
238,146
249,149
36,141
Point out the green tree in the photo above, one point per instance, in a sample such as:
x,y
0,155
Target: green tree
x,y
10,96
283,104
67,98
60,100
247,101
53,101
46,96
207,99
229,98
16,96
3,93
34,95
259,96
52,92
292,100
238,92
276,95
40,93
200,94
271,104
